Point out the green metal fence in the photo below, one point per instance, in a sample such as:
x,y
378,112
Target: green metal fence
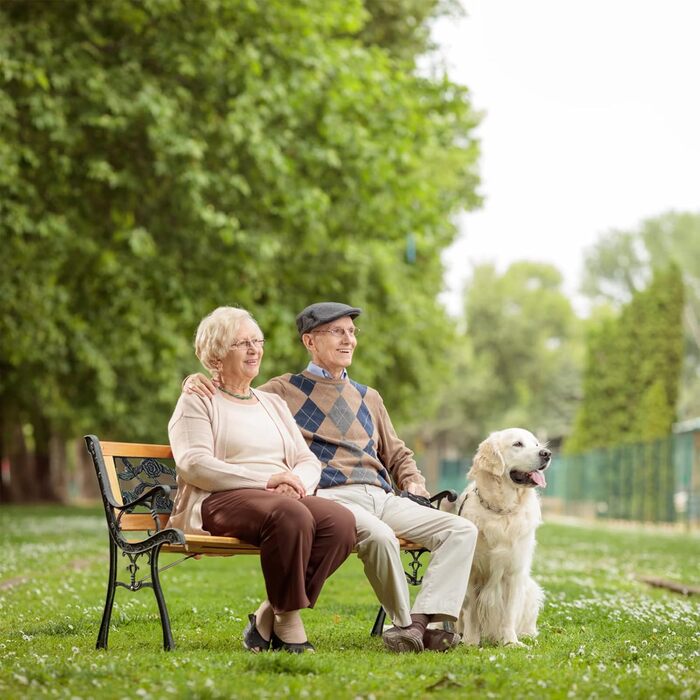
x,y
657,481
646,481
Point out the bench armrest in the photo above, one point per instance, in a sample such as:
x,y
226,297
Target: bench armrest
x,y
449,494
146,498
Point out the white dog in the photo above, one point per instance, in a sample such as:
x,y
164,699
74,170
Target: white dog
x,y
503,601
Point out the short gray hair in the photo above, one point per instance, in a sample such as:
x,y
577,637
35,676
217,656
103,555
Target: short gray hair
x,y
216,332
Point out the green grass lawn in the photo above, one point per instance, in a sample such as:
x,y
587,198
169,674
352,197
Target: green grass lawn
x,y
602,633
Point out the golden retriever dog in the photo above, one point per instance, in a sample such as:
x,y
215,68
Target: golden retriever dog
x,y
503,602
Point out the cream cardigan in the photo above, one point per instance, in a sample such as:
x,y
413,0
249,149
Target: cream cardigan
x,y
200,441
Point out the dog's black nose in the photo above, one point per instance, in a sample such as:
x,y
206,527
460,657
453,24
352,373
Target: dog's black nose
x,y
545,453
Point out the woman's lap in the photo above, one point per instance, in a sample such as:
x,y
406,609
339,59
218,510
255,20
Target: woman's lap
x,y
242,512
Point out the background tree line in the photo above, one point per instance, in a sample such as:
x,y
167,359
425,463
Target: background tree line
x,y
160,158
623,373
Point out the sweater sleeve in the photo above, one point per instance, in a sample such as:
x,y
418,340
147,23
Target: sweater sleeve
x,y
392,451
191,437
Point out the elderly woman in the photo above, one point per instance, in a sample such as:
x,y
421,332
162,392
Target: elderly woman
x,y
244,470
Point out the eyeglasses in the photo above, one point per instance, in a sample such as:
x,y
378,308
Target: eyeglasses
x,y
255,343
338,332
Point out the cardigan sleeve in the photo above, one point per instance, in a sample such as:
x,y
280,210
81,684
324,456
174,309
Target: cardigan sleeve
x,y
191,435
392,451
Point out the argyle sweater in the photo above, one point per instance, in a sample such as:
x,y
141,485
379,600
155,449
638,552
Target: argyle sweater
x,y
348,428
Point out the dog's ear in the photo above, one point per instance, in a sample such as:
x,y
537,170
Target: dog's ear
x,y
488,460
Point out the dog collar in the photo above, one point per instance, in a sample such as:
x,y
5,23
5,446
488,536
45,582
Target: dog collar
x,y
488,506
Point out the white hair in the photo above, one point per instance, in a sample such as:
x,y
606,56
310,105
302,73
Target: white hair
x,y
216,333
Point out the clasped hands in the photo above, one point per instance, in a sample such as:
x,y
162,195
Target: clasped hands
x,y
286,484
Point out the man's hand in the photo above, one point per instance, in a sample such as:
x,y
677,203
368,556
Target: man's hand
x,y
291,481
200,385
417,490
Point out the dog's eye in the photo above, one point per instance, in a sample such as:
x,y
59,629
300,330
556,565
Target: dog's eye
x,y
518,444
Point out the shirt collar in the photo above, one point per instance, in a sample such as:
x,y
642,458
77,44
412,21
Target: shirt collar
x,y
320,372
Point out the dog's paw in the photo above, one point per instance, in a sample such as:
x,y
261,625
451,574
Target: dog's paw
x,y
513,643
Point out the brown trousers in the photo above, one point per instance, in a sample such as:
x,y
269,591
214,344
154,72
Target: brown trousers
x,y
302,542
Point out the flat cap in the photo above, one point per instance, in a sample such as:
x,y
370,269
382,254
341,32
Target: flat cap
x,y
323,312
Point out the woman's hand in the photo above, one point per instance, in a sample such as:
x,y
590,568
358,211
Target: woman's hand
x,y
286,490
291,482
200,385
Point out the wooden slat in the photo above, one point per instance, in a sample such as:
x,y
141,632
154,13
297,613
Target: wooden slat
x,y
207,551
211,549
213,546
138,522
113,480
216,540
134,449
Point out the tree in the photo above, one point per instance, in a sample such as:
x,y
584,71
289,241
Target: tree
x,y
161,159
622,263
518,361
633,364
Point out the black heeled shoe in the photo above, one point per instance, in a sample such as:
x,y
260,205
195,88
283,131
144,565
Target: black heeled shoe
x,y
252,639
276,644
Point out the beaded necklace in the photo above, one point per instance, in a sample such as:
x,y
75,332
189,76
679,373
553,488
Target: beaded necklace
x,y
237,396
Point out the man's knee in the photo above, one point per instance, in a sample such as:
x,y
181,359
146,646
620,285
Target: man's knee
x,y
464,530
467,526
379,538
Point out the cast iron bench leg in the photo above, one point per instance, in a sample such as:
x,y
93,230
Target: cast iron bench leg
x,y
378,627
109,603
168,641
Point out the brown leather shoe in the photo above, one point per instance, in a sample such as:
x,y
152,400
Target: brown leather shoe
x,y
403,639
440,640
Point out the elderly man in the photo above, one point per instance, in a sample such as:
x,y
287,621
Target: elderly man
x,y
348,428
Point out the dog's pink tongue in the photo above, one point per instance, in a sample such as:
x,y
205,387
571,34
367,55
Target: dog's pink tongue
x,y
538,477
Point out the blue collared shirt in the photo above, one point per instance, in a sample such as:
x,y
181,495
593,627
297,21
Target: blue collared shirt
x,y
320,372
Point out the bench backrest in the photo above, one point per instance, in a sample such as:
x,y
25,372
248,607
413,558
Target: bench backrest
x,y
125,470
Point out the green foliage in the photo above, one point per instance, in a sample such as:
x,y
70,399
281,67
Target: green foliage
x,y
633,365
602,632
655,413
518,362
622,263
402,26
163,158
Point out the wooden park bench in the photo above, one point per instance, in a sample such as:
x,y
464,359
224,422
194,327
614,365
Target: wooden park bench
x,y
137,482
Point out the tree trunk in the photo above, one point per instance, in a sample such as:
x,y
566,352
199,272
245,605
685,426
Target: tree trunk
x,y
88,488
22,482
59,467
43,467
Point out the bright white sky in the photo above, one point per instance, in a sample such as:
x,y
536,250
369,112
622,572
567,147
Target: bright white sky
x,y
591,123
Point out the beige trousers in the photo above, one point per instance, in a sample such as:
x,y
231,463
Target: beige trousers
x,y
380,517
